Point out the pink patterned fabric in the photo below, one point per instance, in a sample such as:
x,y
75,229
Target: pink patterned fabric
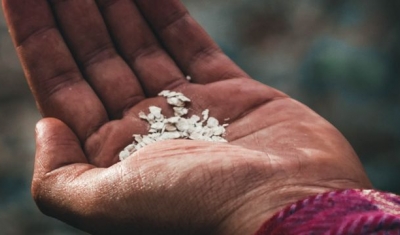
x,y
339,212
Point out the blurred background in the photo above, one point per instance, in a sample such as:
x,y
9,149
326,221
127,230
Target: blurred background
x,y
341,58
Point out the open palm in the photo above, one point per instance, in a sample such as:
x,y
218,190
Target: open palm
x,y
94,65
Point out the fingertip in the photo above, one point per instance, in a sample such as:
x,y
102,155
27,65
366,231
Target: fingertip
x,y
46,126
56,146
50,132
42,125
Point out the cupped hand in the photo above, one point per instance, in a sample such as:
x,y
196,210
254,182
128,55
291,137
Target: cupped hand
x,y
94,65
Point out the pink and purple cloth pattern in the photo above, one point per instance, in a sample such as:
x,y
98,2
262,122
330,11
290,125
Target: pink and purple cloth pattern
x,y
339,212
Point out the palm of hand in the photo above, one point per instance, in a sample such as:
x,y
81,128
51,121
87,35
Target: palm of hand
x,y
276,144
155,187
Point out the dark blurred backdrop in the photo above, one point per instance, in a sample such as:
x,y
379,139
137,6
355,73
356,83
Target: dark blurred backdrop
x,y
341,58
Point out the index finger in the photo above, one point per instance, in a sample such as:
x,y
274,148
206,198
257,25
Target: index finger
x,y
54,78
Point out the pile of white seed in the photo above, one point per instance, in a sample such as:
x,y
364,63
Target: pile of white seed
x,y
204,128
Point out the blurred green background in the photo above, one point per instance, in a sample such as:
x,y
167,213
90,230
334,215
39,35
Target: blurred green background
x,y
341,58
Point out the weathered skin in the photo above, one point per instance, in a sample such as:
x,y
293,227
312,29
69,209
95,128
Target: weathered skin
x,y
93,68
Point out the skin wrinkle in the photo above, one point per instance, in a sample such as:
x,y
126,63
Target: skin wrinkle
x,y
328,177
258,192
229,213
41,32
202,54
84,208
254,134
95,148
242,194
42,192
238,119
275,127
106,3
209,94
98,56
132,101
175,18
66,83
165,213
149,48
98,52
103,187
136,180
185,177
230,74
98,148
178,84
212,187
175,80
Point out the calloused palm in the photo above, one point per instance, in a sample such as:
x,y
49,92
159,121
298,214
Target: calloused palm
x,y
94,65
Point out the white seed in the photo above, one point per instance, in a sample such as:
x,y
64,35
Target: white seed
x,y
184,98
218,130
180,111
158,125
194,118
150,117
182,125
164,93
138,138
172,94
156,111
130,147
196,136
148,140
123,155
176,127
212,122
170,135
170,127
142,115
173,120
205,114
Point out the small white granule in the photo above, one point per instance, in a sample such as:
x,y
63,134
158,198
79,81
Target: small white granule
x,y
177,127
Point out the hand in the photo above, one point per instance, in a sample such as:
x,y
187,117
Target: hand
x,y
93,66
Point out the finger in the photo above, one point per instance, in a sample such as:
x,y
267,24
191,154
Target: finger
x,y
66,187
52,74
86,35
191,47
56,146
155,68
59,161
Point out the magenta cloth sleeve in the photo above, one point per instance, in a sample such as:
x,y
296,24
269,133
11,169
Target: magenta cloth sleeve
x,y
339,212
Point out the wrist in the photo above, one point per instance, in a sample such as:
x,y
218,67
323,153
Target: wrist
x,y
260,206
264,202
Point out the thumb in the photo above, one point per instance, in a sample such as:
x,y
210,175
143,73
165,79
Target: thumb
x,y
56,146
59,162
